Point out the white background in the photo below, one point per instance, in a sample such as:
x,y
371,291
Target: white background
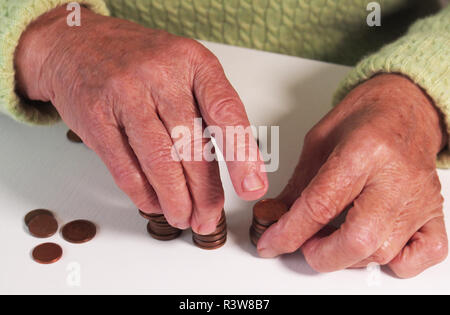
x,y
39,168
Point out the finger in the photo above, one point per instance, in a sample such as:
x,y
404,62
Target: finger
x,y
338,182
113,148
202,176
428,247
221,106
405,228
153,147
368,223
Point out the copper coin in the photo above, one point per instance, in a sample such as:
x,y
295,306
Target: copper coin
x,y
158,218
73,137
47,253
79,231
260,226
219,230
163,237
150,216
161,230
256,232
254,238
43,226
32,214
269,211
221,226
163,226
210,238
210,245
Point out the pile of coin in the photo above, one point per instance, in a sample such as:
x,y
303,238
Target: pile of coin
x,y
159,228
42,224
214,240
265,213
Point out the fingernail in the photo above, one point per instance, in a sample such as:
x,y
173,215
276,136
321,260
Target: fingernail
x,y
267,253
252,183
207,227
181,226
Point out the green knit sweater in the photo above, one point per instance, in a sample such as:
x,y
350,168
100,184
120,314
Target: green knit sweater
x,y
330,30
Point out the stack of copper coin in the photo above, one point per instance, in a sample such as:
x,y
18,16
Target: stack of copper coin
x,y
214,240
265,213
159,228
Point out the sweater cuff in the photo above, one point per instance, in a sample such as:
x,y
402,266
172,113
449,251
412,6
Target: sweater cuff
x,y
15,17
424,57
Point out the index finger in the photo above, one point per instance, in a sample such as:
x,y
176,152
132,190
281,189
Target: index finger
x,y
221,106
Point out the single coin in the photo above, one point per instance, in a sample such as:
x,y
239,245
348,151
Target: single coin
x,y
47,253
32,214
43,226
210,245
79,231
269,211
73,137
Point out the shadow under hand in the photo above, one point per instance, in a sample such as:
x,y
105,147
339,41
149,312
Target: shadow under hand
x,y
42,169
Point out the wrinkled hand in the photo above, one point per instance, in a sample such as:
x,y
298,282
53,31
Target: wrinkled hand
x,y
123,88
374,153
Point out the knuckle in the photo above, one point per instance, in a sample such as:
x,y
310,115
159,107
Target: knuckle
x,y
438,249
376,144
362,242
126,179
383,257
314,135
225,111
319,207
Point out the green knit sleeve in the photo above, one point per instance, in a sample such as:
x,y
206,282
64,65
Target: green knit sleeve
x,y
423,55
15,16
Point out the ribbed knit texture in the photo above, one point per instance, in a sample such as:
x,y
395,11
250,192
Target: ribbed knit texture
x,y
15,16
328,30
424,56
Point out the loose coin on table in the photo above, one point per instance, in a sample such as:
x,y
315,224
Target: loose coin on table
x,y
35,213
43,225
265,213
214,240
79,231
47,253
73,137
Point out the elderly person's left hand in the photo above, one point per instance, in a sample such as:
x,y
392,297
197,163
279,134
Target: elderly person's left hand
x,y
375,153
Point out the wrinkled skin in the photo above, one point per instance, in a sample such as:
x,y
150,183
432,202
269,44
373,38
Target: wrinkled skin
x,y
375,154
123,88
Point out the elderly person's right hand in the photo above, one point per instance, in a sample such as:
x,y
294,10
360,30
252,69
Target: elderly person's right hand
x,y
123,88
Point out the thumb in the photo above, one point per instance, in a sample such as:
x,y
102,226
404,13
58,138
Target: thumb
x,y
225,115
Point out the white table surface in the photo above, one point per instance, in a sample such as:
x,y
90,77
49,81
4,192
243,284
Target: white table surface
x,y
41,169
